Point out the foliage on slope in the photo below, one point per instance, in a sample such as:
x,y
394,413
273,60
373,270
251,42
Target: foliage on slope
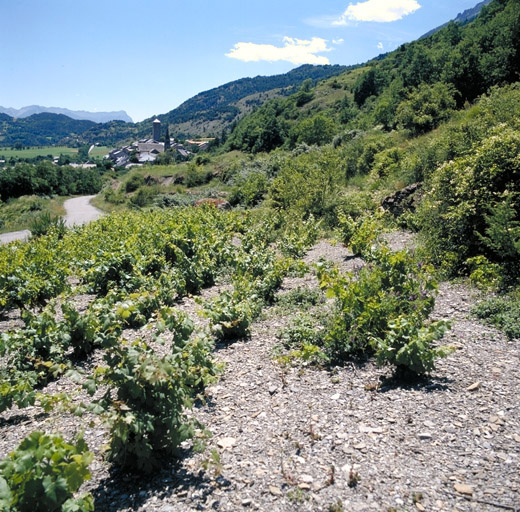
x,y
415,88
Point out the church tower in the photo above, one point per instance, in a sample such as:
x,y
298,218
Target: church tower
x,y
156,132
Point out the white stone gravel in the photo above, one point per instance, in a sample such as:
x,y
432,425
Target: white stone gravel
x,y
308,439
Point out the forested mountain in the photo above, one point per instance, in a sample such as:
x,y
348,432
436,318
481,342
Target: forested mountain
x,y
416,87
41,130
214,110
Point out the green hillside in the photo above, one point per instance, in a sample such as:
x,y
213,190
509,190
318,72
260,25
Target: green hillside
x,y
215,110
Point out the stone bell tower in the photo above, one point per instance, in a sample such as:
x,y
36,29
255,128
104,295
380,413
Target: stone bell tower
x,y
156,132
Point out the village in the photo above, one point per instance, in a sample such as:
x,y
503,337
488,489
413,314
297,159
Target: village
x,y
146,150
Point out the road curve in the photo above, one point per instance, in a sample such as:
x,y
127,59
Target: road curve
x,y
78,210
5,238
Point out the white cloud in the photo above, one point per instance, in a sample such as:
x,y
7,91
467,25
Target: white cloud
x,y
338,41
296,51
381,11
380,46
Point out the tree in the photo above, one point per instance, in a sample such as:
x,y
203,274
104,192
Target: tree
x,y
317,130
426,107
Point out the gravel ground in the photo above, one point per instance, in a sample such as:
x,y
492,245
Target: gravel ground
x,y
307,439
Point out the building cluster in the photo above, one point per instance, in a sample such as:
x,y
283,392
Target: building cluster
x,y
146,150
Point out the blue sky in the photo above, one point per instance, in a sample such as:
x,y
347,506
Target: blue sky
x,y
147,57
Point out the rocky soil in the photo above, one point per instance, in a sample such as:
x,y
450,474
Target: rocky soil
x,y
297,438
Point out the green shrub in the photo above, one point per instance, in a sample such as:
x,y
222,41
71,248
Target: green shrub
x,y
45,222
482,273
145,405
409,346
231,314
134,182
501,312
144,196
380,310
455,213
426,107
360,234
43,473
248,190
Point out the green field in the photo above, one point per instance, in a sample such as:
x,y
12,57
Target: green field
x,y
6,153
99,151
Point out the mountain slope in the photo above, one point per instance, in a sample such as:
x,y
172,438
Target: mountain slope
x,y
216,109
41,129
415,87
462,18
209,112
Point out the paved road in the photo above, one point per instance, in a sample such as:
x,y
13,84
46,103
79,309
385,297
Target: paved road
x,y
5,238
78,211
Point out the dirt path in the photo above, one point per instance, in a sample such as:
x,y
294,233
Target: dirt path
x,y
80,211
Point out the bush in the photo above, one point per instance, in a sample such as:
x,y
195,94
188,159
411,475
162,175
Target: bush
x,y
134,182
45,223
381,309
147,398
409,346
231,314
501,312
43,473
426,107
248,189
459,215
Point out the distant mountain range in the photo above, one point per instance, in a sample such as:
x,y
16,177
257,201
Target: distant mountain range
x,y
97,117
462,18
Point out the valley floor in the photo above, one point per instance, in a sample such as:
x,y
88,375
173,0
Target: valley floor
x,y
306,439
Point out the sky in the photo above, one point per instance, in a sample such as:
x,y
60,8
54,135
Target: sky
x,y
147,57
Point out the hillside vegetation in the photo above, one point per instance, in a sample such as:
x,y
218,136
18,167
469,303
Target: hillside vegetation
x,y
425,139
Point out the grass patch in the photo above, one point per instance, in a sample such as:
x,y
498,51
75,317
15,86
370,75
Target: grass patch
x,y
99,151
21,213
502,313
7,153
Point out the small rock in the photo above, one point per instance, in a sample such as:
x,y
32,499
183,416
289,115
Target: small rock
x,y
275,491
226,442
474,386
247,502
463,489
419,507
272,390
424,435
